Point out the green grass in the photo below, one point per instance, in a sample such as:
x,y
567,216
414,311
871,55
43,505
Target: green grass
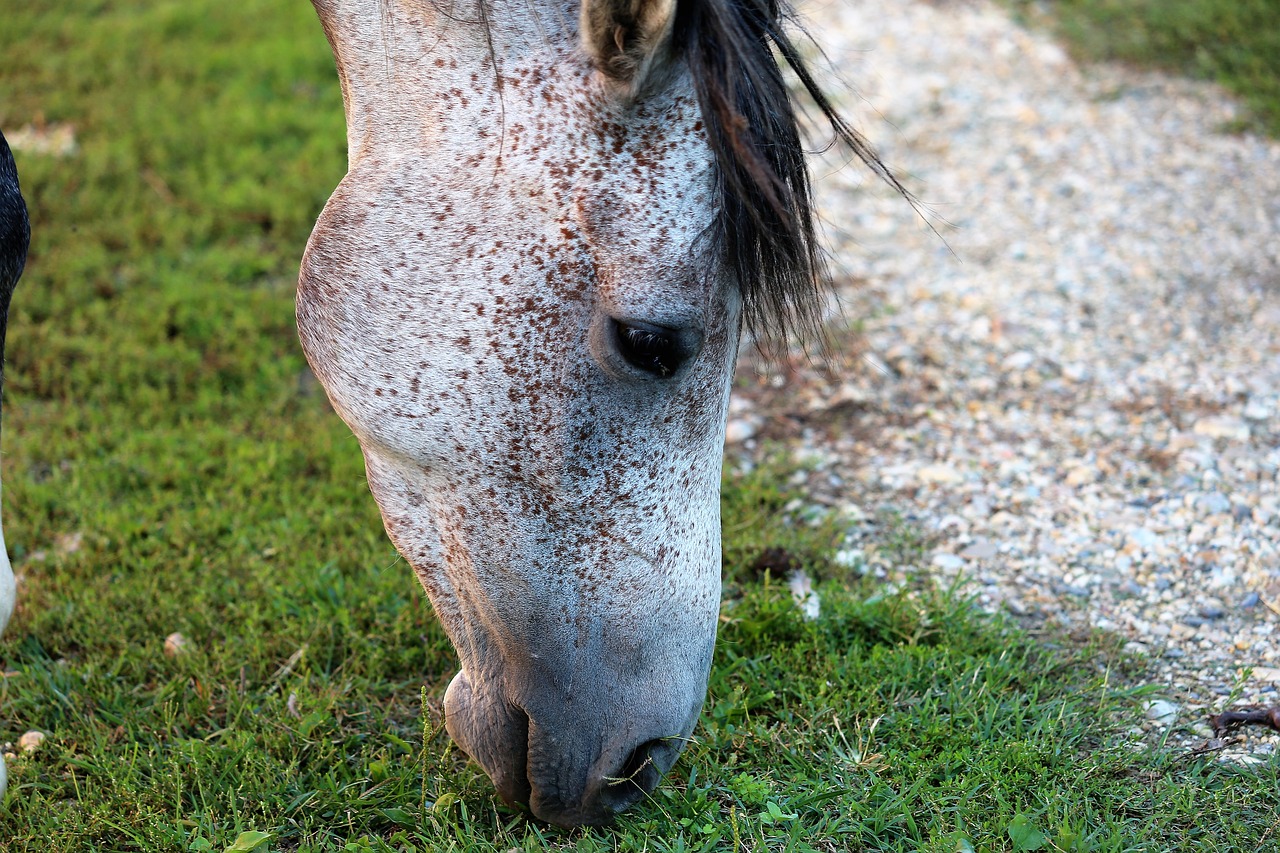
x,y
168,467
1233,42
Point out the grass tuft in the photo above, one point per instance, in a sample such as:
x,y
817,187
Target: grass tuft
x,y
1233,42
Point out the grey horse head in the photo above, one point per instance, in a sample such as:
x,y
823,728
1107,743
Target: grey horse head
x,y
525,298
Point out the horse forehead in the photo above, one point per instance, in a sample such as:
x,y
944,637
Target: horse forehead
x,y
540,166
547,119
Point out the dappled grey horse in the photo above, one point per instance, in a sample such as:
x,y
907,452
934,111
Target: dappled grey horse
x,y
525,298
15,235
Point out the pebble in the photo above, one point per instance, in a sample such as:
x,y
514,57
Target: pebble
x,y
31,741
175,644
980,551
1232,428
948,562
739,430
938,474
1081,476
1161,711
1214,502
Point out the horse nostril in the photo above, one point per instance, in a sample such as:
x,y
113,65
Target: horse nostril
x,y
640,773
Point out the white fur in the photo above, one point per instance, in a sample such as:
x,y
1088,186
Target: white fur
x,y
8,596
560,508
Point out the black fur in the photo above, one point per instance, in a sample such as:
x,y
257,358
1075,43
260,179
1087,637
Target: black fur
x,y
766,229
15,236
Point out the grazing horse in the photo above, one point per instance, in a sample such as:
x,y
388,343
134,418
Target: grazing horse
x,y
15,235
525,298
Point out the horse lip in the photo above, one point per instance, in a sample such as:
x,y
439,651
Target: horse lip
x,y
509,745
609,795
494,734
617,779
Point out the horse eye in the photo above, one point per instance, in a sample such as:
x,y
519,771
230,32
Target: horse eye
x,y
650,348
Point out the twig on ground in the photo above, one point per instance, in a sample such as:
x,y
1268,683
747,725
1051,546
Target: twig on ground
x,y
1228,720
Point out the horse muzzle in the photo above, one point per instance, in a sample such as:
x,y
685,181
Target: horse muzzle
x,y
571,761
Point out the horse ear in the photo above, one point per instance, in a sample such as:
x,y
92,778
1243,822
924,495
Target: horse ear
x,y
627,38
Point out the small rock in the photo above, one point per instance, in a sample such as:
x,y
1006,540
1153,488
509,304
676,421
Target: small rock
x,y
175,644
1258,409
1266,673
849,558
1020,360
850,511
1250,601
31,741
1234,429
1202,729
1161,711
739,430
938,474
1076,372
1213,503
1143,538
1082,476
980,551
948,562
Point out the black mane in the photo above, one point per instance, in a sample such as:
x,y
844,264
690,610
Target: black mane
x,y
765,230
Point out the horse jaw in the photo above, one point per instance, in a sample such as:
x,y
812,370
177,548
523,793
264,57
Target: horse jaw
x,y
560,508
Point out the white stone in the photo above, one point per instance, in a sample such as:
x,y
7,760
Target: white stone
x,y
948,562
739,430
938,474
1222,427
1161,711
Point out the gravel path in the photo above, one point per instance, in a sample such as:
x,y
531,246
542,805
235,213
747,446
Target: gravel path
x,y
1078,393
